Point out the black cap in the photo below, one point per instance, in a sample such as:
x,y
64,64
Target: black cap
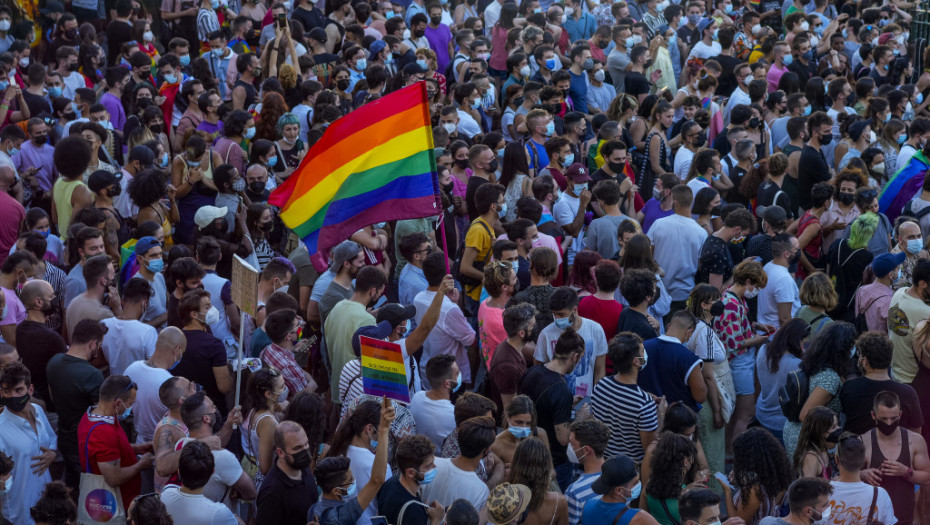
x,y
615,472
143,154
395,313
101,179
318,34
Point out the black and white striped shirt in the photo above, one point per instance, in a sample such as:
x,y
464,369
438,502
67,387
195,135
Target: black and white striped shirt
x,y
627,410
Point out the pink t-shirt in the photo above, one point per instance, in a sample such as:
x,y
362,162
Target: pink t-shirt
x,y
16,312
490,330
774,76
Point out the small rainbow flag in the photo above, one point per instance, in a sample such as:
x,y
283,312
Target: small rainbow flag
x,y
383,371
374,164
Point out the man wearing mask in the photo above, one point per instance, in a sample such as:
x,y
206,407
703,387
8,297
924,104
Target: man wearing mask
x,y
72,80
416,468
27,437
549,62
635,83
570,209
37,297
221,57
661,204
101,300
581,62
618,486
780,299
600,94
813,167
417,38
89,242
208,255
36,163
149,254
74,383
289,489
256,181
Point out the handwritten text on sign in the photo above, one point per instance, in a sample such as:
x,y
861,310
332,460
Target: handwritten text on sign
x,y
383,371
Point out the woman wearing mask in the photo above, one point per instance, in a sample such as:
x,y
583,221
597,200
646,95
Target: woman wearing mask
x,y
812,458
775,359
265,395
426,59
893,136
192,176
657,154
706,209
260,219
142,33
38,221
811,230
761,475
705,304
531,466
154,120
95,135
233,144
848,258
874,160
289,149
519,421
210,126
826,364
515,176
673,470
92,63
637,254
374,241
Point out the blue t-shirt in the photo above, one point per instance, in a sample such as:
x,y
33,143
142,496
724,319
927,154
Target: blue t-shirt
x,y
537,152
666,374
596,512
578,91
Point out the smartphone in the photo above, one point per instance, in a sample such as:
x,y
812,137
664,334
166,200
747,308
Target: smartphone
x,y
722,478
281,21
379,520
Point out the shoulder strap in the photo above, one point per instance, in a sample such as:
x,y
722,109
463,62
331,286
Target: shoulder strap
x,y
872,506
400,515
481,223
86,443
669,513
819,317
621,513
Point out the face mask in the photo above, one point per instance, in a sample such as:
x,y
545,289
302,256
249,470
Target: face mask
x,y
588,64
8,484
282,397
563,322
458,383
717,309
4,85
422,63
125,415
694,19
805,26
249,133
521,432
716,35
578,188
847,198
343,84
163,162
728,8
825,514
212,316
361,63
429,476
239,185
461,163
301,460
484,56
750,294
572,455
449,127
809,54
550,129
15,404
656,193
636,490
257,187
54,92
826,138
599,75
351,490
887,428
503,210
272,162
476,104
171,79
525,71
156,265
4,25
568,160
914,246
787,60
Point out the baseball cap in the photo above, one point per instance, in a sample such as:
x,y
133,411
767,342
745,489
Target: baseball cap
x,y
145,244
344,251
856,129
374,331
143,154
52,6
507,502
702,25
616,471
886,262
207,214
318,34
772,214
578,173
376,47
101,179
882,40
396,313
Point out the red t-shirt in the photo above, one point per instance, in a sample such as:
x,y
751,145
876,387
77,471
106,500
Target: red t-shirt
x,y
604,313
108,442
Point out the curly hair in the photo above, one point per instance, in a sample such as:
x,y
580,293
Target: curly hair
x,y
667,466
530,467
273,107
582,276
366,413
816,424
147,187
759,460
830,349
751,272
306,409
55,506
497,274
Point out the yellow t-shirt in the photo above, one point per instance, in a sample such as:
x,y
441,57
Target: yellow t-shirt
x,y
479,239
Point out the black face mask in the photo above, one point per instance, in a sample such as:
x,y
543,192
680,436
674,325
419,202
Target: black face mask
x,y
15,404
156,128
885,428
342,84
492,166
717,308
461,163
793,261
435,20
519,101
826,139
754,122
834,436
448,187
70,115
266,226
116,190
716,210
647,64
603,45
616,167
700,139
257,187
419,33
299,460
847,198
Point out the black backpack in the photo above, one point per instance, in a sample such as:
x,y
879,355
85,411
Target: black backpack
x,y
908,211
793,395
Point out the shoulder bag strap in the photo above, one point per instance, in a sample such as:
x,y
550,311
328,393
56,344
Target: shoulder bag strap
x,y
86,443
621,513
400,515
872,506
669,513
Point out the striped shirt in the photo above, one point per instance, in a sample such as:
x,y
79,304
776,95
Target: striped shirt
x,y
55,276
579,493
350,383
627,410
207,22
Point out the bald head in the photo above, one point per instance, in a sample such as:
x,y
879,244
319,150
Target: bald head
x,y
36,289
170,339
285,428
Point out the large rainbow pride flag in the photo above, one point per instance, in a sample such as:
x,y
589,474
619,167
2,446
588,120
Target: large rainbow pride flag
x,y
374,164
903,186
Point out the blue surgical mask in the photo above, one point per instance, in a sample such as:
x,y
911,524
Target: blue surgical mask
x,y
214,3
272,161
902,138
914,246
185,60
361,63
4,85
569,159
429,476
476,104
55,92
458,383
919,98
218,53
249,133
193,163
163,162
550,129
635,491
351,490
503,211
421,63
520,432
551,64
500,152
7,485
807,110
156,265
563,322
125,414
43,234
728,8
171,79
787,60
578,188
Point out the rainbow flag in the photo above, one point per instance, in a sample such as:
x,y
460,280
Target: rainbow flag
x,y
383,370
903,186
374,164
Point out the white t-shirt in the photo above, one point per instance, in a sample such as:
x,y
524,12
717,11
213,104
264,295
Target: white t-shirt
x,y
683,162
715,351
581,380
434,419
468,126
781,288
678,241
127,341
195,509
904,155
226,472
702,50
564,212
452,483
851,502
361,462
147,411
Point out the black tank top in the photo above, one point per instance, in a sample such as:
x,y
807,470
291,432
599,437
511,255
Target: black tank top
x,y
251,94
900,490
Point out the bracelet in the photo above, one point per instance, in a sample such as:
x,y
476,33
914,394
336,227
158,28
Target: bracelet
x,y
910,472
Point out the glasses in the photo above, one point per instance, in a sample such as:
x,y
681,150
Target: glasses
x,y
129,387
869,194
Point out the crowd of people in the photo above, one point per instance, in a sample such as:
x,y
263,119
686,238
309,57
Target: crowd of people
x,y
680,274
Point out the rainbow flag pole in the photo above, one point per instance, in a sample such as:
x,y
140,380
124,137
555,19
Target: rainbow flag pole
x,y
374,164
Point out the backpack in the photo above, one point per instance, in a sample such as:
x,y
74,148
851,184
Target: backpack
x,y
859,322
793,395
909,212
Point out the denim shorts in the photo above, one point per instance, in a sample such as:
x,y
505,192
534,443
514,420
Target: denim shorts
x,y
742,368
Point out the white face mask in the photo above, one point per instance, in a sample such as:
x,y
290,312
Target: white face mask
x,y
749,294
